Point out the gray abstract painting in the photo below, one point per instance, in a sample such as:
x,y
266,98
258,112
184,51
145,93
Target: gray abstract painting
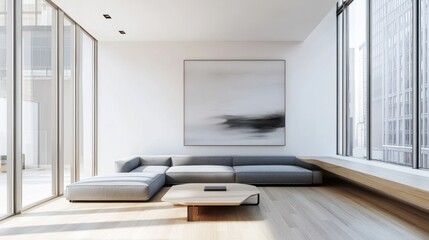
x,y
234,102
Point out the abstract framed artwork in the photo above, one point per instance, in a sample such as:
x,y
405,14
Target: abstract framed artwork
x,y
234,102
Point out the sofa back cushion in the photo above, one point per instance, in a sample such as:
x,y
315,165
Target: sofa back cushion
x,y
155,160
264,160
201,160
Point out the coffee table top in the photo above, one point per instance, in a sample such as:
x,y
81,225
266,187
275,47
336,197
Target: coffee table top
x,y
193,194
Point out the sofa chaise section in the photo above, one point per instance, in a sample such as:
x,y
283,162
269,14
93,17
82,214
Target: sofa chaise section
x,y
134,186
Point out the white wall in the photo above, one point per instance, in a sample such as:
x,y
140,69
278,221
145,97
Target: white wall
x,y
141,95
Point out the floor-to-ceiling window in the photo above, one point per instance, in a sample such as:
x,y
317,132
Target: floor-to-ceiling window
x,y
357,79
68,108
4,102
340,76
86,105
39,89
397,64
44,117
391,81
424,83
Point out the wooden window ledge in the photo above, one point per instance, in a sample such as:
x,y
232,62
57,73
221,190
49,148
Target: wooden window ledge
x,y
401,182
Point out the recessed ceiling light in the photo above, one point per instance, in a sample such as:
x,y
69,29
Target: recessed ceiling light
x,y
122,32
107,16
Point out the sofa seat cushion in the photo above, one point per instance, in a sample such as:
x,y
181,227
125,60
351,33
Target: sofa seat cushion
x,y
116,187
273,174
153,169
200,174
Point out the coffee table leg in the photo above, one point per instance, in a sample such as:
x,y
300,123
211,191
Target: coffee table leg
x,y
192,213
257,201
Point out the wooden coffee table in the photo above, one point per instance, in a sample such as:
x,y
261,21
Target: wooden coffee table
x,y
193,196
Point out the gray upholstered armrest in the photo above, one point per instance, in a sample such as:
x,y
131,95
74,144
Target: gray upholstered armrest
x,y
127,164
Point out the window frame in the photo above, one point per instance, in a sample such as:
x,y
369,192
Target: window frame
x,y
412,98
14,104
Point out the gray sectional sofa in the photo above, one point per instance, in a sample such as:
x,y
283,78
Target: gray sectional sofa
x,y
139,178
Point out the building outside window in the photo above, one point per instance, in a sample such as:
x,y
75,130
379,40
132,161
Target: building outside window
x,y
388,118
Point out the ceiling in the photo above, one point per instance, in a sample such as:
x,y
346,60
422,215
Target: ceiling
x,y
198,20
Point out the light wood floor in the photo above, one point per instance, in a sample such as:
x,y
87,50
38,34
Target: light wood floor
x,y
333,211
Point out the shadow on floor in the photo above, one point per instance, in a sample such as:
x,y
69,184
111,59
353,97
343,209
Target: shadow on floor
x,y
51,228
212,214
96,211
233,213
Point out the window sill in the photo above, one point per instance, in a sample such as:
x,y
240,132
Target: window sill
x,y
401,182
